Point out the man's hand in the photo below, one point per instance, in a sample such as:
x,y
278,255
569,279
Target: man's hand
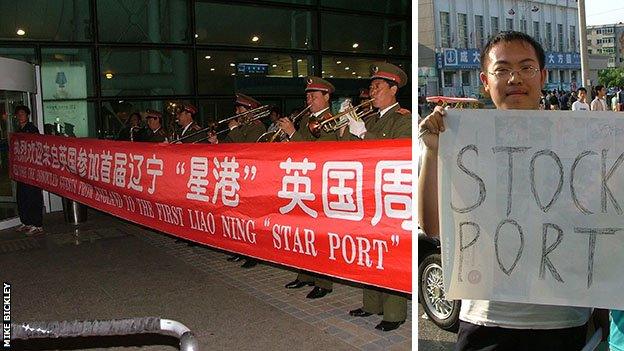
x,y
233,123
286,125
433,125
212,138
357,127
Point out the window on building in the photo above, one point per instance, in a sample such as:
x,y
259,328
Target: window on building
x,y
448,79
381,6
573,44
573,77
523,26
127,72
163,21
598,31
479,30
589,42
494,26
562,76
465,78
445,27
548,43
19,53
589,51
356,34
536,31
551,77
609,30
226,24
509,25
560,37
462,30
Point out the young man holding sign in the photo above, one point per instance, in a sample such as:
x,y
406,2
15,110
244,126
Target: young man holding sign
x,y
513,73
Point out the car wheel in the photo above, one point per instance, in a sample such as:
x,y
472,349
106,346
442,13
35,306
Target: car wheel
x,y
442,312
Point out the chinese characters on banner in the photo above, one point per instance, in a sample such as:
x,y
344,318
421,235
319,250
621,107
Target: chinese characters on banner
x,y
343,210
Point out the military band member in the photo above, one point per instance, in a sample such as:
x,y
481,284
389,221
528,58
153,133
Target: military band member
x,y
188,126
318,95
132,129
391,123
318,92
155,133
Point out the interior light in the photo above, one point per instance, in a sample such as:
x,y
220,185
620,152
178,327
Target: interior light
x,y
347,68
233,74
207,57
20,31
289,71
353,73
390,48
359,76
109,76
256,59
323,72
232,64
299,60
331,76
212,69
255,38
355,45
273,65
301,75
338,62
196,35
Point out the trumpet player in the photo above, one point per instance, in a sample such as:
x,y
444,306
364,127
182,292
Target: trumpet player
x,y
392,122
186,120
318,94
240,130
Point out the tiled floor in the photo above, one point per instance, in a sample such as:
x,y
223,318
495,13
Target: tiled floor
x,y
266,282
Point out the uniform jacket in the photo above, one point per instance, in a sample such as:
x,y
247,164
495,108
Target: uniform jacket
x,y
395,124
190,130
246,133
304,134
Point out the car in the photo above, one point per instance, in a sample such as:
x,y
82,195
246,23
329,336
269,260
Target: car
x,y
442,312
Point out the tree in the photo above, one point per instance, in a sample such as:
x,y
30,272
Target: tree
x,y
611,77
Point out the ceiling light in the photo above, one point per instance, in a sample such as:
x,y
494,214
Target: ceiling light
x,y
196,35
331,76
359,76
353,73
299,60
323,72
207,57
256,59
301,75
355,45
338,62
212,69
255,38
390,48
109,76
273,65
20,31
232,64
289,71
347,68
233,74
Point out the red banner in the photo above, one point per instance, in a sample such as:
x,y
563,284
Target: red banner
x,y
342,209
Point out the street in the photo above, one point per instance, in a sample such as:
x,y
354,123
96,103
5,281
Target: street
x,y
432,338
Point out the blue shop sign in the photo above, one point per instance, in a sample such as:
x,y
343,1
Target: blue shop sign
x,y
253,68
470,59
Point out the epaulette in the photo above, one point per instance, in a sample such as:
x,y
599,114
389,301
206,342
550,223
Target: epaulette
x,y
403,111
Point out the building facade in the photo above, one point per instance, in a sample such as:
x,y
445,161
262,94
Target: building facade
x,y
458,30
607,40
104,59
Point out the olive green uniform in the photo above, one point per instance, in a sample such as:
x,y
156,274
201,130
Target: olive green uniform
x,y
155,137
193,128
304,134
394,124
247,133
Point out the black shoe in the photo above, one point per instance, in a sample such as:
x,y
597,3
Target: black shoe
x,y
249,263
317,293
359,313
388,326
235,258
296,284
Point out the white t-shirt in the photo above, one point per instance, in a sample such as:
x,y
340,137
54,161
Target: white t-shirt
x,y
580,106
522,316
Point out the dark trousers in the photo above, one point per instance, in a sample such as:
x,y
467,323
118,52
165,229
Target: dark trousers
x,y
30,204
473,337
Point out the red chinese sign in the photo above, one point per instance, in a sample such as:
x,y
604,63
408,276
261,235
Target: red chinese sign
x,y
342,209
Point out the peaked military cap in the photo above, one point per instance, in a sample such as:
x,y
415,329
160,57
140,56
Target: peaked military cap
x,y
247,101
188,107
153,113
319,84
389,72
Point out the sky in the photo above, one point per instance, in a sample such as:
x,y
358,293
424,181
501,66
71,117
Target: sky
x,y
604,11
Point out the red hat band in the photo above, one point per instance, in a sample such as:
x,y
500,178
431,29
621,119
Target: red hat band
x,y
388,75
317,86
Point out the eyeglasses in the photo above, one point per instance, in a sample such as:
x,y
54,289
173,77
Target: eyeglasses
x,y
524,73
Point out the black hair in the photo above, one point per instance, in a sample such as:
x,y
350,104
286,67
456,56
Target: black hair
x,y
581,89
22,108
599,88
509,36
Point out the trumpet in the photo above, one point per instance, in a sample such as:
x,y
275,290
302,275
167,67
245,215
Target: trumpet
x,y
280,135
339,120
244,118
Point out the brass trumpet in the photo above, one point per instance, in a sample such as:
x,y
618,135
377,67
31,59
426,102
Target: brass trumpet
x,y
339,120
244,118
279,135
